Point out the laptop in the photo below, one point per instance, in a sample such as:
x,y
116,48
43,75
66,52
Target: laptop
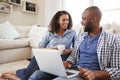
x,y
50,61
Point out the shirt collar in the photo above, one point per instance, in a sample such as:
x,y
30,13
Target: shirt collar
x,y
85,34
66,31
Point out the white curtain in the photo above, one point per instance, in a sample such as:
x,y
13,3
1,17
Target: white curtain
x,y
75,8
51,7
110,10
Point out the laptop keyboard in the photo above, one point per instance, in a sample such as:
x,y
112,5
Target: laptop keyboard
x,y
69,73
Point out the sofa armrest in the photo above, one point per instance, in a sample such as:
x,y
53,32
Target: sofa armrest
x,y
11,55
12,44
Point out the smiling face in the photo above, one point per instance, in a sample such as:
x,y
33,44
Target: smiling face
x,y
91,19
63,21
60,22
87,21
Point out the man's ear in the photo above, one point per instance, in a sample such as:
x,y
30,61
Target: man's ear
x,y
94,19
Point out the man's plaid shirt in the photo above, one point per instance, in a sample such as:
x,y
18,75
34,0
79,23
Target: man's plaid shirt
x,y
108,51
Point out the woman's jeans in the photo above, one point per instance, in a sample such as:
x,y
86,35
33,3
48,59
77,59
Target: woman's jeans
x,y
25,73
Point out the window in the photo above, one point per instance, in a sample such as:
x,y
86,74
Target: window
x,y
110,10
106,5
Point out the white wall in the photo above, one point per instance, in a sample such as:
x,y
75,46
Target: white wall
x,y
51,7
46,10
41,13
18,17
111,16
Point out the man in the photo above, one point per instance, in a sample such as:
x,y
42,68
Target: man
x,y
96,53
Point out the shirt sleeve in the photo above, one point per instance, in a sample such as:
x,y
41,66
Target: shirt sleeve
x,y
114,71
75,53
44,40
74,38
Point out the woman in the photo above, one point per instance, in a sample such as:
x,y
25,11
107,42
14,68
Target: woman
x,y
60,32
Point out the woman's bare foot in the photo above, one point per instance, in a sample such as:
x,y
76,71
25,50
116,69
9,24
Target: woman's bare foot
x,y
9,76
11,72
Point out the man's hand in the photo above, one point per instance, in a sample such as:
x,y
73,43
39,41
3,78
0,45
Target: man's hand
x,y
86,74
67,64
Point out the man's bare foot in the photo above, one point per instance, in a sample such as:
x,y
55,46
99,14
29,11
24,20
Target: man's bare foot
x,y
9,76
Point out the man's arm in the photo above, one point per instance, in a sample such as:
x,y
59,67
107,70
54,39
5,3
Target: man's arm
x,y
114,69
102,75
112,72
91,75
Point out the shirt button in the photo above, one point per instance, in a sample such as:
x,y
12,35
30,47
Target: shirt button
x,y
88,47
89,37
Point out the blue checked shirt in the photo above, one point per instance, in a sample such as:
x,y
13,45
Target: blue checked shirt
x,y
108,52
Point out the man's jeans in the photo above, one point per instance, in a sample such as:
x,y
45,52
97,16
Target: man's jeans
x,y
40,75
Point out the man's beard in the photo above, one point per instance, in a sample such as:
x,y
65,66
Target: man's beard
x,y
88,27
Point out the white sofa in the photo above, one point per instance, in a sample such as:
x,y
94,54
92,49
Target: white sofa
x,y
18,49
15,52
113,28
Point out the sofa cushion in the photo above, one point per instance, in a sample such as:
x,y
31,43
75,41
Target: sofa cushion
x,y
12,44
106,26
77,28
115,27
23,30
33,31
7,31
36,34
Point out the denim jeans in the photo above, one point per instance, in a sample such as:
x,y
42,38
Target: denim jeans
x,y
72,78
40,75
25,73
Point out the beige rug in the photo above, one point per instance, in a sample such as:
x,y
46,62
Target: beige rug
x,y
13,66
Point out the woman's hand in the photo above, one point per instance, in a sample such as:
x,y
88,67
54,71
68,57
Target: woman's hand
x,y
0,75
66,51
54,47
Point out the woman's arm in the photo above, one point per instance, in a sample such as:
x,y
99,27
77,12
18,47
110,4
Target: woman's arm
x,y
45,40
